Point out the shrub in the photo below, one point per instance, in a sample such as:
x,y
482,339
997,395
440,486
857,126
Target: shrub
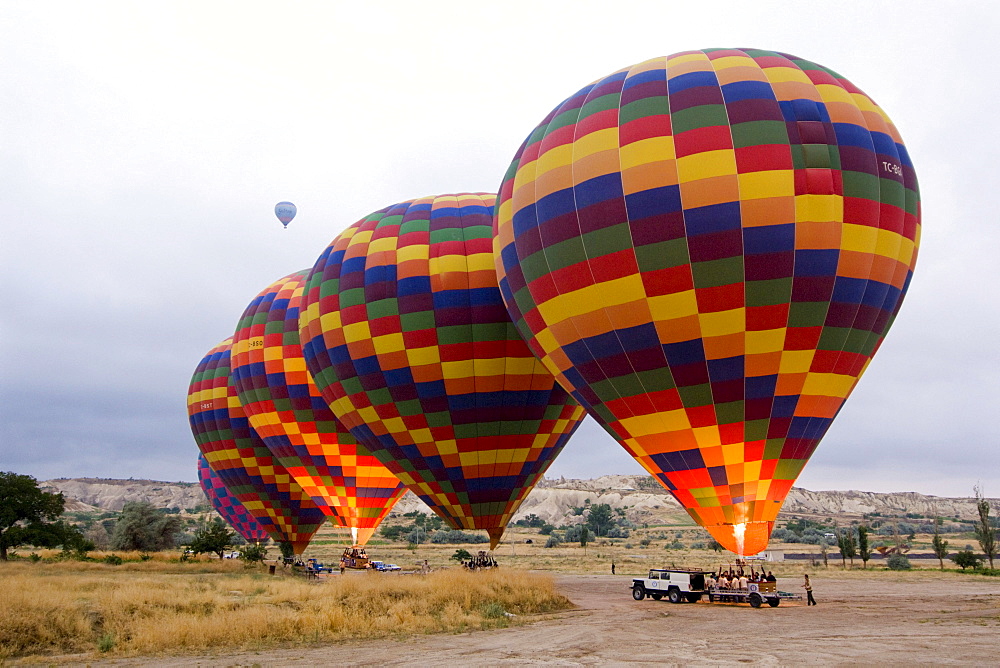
x,y
898,562
416,537
113,560
456,536
552,541
253,554
966,559
618,532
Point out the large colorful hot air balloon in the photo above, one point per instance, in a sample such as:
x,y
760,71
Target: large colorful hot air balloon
x,y
228,506
407,338
286,409
240,458
707,249
285,211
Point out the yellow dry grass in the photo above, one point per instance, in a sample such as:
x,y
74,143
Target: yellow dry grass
x,y
133,609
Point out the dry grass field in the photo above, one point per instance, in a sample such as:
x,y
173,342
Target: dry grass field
x,y
157,606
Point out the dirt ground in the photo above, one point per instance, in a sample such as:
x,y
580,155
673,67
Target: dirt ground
x,y
910,618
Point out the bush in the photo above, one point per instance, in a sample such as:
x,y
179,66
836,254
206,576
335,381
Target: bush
x,y
552,541
618,532
898,562
547,530
966,559
253,554
416,537
113,560
456,536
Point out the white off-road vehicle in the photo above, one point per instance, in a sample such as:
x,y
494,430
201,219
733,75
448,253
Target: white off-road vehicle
x,y
677,584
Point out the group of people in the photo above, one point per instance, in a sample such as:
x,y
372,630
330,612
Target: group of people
x,y
480,561
737,579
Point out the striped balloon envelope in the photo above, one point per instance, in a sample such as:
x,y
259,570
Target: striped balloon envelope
x,y
405,333
227,505
240,458
707,249
286,409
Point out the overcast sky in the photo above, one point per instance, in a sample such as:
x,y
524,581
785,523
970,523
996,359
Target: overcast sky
x,y
143,147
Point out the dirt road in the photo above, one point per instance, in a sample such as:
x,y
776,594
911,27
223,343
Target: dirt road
x,y
912,619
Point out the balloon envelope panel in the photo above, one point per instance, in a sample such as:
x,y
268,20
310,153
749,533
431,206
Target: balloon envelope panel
x,y
707,249
227,505
407,338
287,410
240,458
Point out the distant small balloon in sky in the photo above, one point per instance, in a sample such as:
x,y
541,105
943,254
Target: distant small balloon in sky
x,y
285,211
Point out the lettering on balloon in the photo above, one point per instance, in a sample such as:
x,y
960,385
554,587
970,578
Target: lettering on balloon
x,y
892,168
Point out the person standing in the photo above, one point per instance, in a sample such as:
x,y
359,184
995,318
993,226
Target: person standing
x,y
612,567
809,592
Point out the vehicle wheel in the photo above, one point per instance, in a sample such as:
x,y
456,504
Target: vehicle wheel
x,y
755,600
638,593
693,598
674,595
773,602
656,597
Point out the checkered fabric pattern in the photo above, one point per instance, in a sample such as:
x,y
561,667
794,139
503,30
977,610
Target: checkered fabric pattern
x,y
707,249
240,458
286,409
405,333
227,505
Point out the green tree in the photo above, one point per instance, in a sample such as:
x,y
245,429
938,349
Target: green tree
x,y
461,554
584,537
864,550
142,527
214,537
286,549
966,559
938,544
600,518
848,545
254,553
26,512
986,533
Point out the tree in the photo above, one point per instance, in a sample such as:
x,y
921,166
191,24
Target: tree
x,y
142,527
847,544
253,554
600,518
986,533
26,512
584,537
461,555
938,544
864,551
965,559
214,536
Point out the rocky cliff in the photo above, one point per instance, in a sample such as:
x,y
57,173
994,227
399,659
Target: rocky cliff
x,y
553,500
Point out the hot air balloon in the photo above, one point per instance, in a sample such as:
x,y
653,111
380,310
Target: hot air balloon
x,y
285,211
405,333
242,461
286,409
707,249
228,506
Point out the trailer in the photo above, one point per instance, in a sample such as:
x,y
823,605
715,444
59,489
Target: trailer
x,y
681,585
